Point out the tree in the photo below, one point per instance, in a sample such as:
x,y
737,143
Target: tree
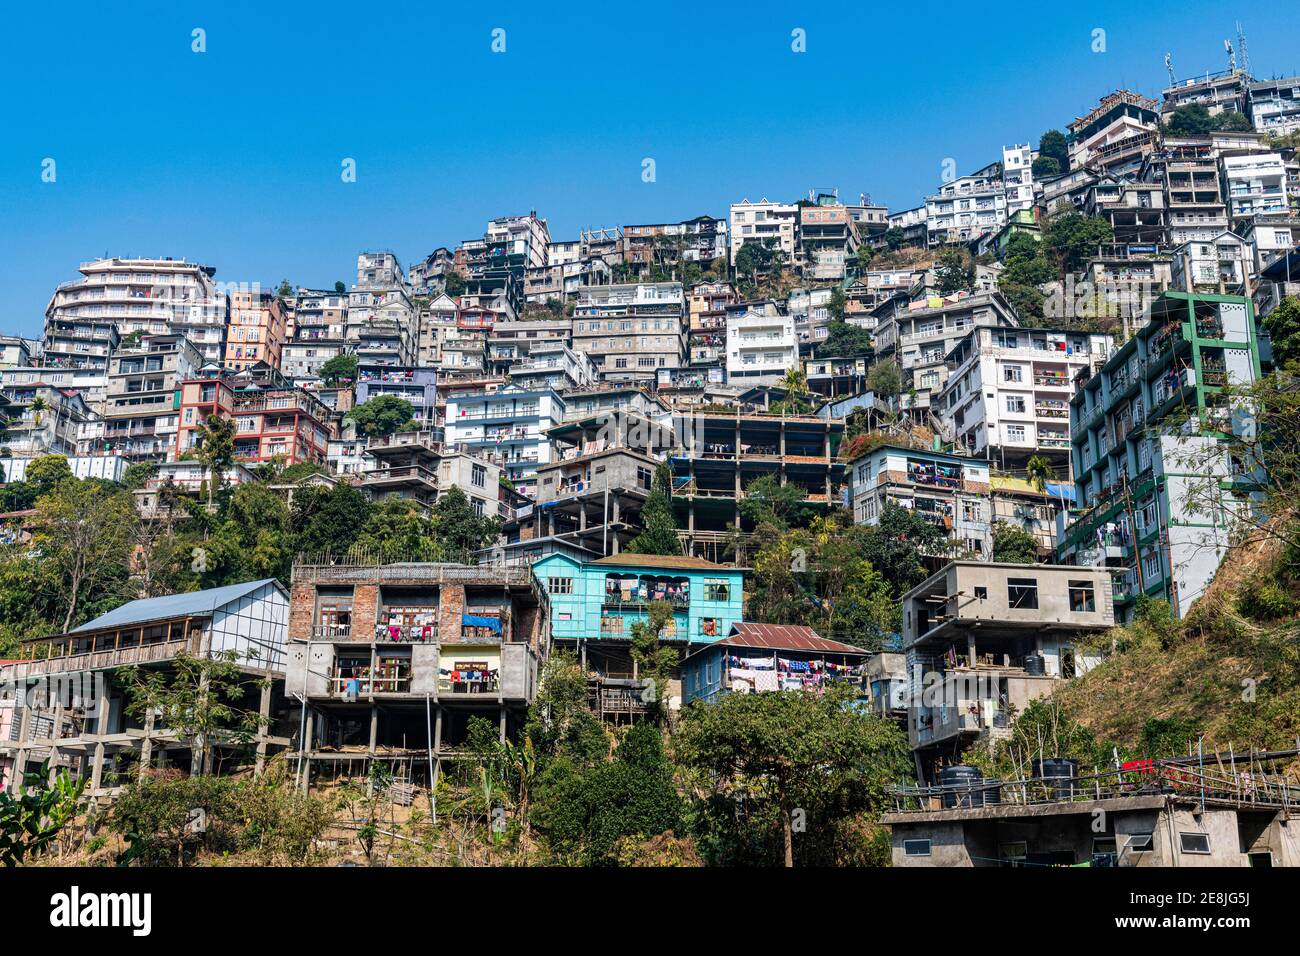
x,y
340,287
285,289
955,271
200,698
1052,144
1190,119
658,524
796,760
845,341
399,530
215,449
885,380
894,238
339,370
896,544
1233,122
454,284
85,536
1071,239
767,501
32,820
381,416
1283,327
459,531
1039,471
655,663
1046,167
329,519
1013,545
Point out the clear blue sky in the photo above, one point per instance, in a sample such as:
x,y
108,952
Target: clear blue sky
x,y
232,157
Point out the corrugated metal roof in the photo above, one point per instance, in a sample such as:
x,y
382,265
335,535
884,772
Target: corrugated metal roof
x,y
784,637
171,606
663,561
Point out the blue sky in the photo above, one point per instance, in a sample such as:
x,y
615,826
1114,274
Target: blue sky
x,y
232,156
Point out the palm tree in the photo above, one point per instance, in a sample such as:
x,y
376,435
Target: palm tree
x,y
215,449
39,406
1039,472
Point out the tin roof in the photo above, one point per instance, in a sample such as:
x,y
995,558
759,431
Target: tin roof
x,y
168,607
682,562
784,637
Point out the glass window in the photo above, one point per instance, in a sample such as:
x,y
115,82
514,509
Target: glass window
x,y
1082,597
916,847
1194,842
560,585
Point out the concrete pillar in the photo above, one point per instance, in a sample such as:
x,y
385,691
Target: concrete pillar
x,y
101,729
308,745
56,731
146,745
24,734
437,731
374,728
502,721
263,728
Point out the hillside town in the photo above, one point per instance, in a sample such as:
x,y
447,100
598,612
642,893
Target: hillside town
x,y
556,546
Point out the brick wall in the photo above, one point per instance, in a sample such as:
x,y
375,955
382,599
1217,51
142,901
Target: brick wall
x,y
302,611
451,605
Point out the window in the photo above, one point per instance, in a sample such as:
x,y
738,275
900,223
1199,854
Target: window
x,y
1139,842
717,591
1015,433
644,477
560,585
1194,843
1016,404
478,476
916,847
1022,593
1081,597
981,593
1011,373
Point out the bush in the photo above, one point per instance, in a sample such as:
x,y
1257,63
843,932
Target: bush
x,y
1262,599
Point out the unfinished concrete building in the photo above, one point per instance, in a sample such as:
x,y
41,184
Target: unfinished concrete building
x,y
984,639
70,705
390,663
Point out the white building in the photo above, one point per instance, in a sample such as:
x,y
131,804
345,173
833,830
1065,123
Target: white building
x,y
631,331
761,346
762,221
1018,176
508,427
1254,185
1007,397
1221,265
966,207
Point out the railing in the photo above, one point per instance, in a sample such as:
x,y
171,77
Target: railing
x,y
617,602
358,686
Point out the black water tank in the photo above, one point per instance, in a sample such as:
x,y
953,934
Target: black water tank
x,y
1059,774
961,787
1035,665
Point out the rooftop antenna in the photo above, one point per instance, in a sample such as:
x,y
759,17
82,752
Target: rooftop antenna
x,y
1232,57
1241,48
1169,65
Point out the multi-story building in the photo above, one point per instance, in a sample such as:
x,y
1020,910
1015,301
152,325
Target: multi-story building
x,y
148,296
967,207
419,386
275,420
77,342
1135,210
631,331
410,465
1217,92
90,382
1254,184
1222,264
381,320
982,640
511,341
257,329
757,658
1116,134
761,344
827,239
1189,170
811,311
770,223
708,303
1007,397
141,415
509,427
1018,176
594,605
1271,237
392,662
319,319
428,277
53,427
1021,504
1274,105
437,325
1160,495
912,224
556,366
665,246
525,236
949,491
16,351
919,335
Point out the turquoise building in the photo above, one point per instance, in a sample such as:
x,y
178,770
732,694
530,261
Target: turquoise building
x,y
595,603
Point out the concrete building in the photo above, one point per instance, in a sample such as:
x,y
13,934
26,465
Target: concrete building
x,y
141,416
555,366
949,491
419,386
982,640
392,662
1116,134
410,465
53,427
966,207
1007,397
771,223
381,321
1220,265
631,331
761,344
828,239
1019,503
919,336
1018,176
1189,169
437,325
257,329
90,382
1274,105
317,334
82,723
149,296
17,352
171,481
1160,496
509,427
1254,184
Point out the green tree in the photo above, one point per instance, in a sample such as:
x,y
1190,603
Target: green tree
x,y
329,519
766,500
658,524
215,449
955,271
1283,327
340,287
34,818
381,416
1233,122
1071,239
1052,144
894,238
85,535
885,380
1190,119
285,289
897,543
339,370
792,757
844,340
454,284
1013,544
459,531
399,530
1046,167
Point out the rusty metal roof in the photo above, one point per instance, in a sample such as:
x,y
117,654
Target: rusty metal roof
x,y
784,637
